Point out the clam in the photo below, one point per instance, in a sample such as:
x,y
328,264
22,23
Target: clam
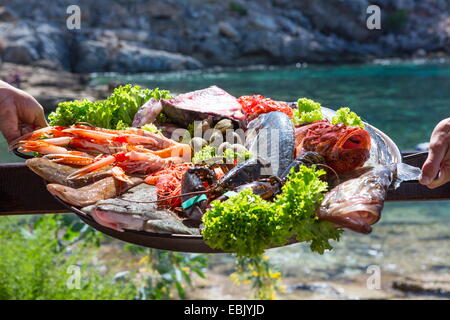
x,y
216,138
202,125
224,125
197,143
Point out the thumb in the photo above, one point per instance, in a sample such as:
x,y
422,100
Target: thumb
x,y
441,179
444,174
39,120
32,113
431,166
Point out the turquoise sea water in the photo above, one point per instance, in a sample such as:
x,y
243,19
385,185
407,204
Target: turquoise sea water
x,y
405,100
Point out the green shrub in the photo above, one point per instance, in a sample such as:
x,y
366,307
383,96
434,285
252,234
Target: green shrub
x,y
35,261
37,255
170,272
257,271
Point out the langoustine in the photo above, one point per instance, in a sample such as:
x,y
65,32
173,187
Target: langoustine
x,y
94,140
128,151
124,163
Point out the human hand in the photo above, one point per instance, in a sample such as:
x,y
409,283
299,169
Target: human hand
x,y
20,113
436,169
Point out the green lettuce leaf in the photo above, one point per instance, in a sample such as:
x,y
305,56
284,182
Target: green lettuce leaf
x,y
247,225
347,117
307,111
151,128
115,112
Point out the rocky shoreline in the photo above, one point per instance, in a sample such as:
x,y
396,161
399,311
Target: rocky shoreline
x,y
51,87
154,36
218,285
136,36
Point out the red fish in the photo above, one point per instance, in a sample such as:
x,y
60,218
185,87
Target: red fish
x,y
344,148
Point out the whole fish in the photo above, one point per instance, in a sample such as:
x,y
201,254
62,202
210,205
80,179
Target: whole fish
x,y
58,173
357,202
271,136
169,226
117,221
90,194
344,148
357,196
114,218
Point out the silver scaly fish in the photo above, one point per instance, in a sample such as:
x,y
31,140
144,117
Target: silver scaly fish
x,y
357,202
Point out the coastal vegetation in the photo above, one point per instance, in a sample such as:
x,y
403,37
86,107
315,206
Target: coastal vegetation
x,y
58,257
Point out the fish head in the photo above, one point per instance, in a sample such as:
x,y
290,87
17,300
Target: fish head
x,y
356,203
116,220
41,166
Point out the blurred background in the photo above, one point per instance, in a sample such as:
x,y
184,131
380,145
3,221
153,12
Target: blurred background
x,y
396,77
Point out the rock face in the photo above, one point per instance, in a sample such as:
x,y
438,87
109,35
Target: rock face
x,y
162,35
26,42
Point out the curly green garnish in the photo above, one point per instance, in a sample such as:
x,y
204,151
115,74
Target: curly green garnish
x,y
207,152
150,127
347,117
307,111
232,155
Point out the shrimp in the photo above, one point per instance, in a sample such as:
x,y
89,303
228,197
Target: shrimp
x,y
72,158
54,131
128,163
127,151
42,147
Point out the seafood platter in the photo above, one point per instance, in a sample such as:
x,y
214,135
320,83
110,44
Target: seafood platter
x,y
205,171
